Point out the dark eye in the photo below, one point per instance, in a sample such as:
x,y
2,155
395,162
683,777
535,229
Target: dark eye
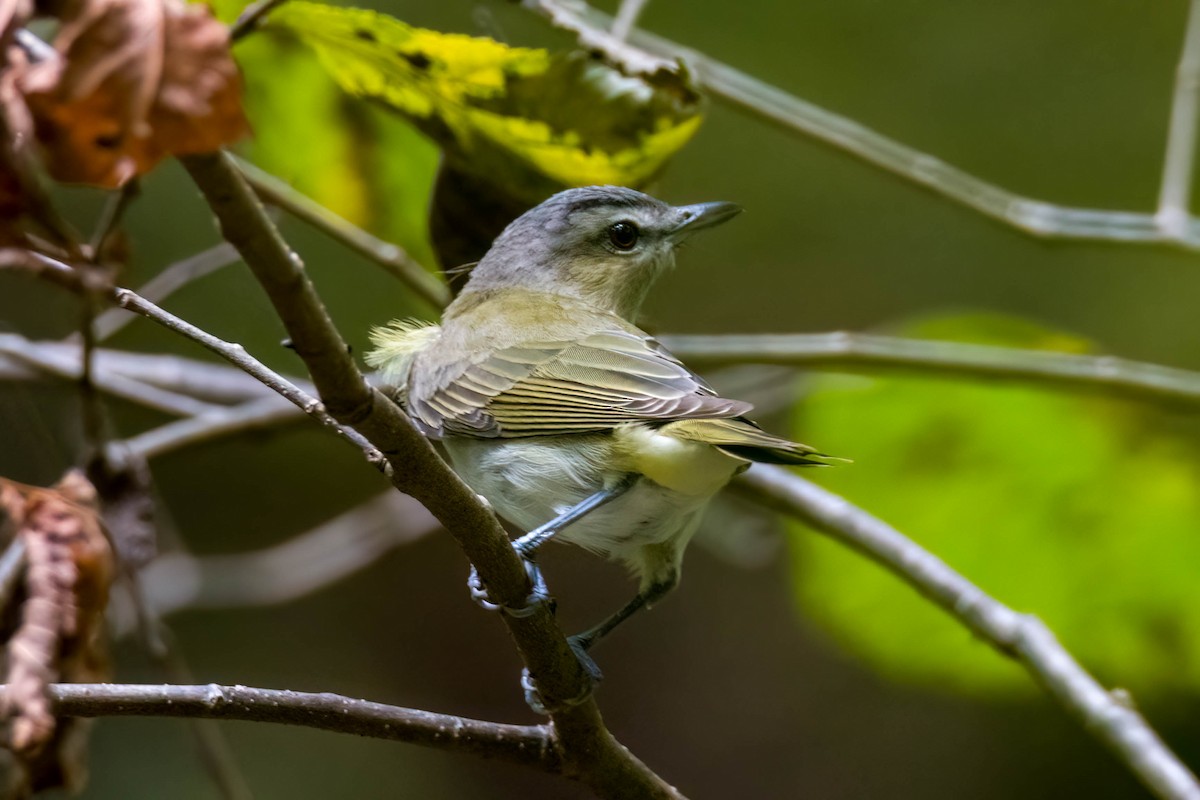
x,y
623,235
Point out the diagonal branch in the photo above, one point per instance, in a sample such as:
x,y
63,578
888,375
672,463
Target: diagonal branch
x,y
649,53
528,745
1174,199
589,751
1109,716
56,360
281,573
391,257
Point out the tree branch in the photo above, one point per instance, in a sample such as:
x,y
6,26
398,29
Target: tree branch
x,y
589,751
528,745
650,53
865,352
53,360
297,567
1174,199
196,380
1109,716
167,282
394,260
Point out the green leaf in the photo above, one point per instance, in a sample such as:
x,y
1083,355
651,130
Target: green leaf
x,y
1081,510
369,167
516,115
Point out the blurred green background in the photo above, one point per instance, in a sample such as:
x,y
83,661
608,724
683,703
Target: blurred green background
x,y
754,680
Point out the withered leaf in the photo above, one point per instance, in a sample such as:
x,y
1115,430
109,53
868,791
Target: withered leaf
x,y
135,81
69,567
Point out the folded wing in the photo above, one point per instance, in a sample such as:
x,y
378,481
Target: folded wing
x,y
596,383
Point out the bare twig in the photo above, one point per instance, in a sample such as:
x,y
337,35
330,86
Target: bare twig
x,y
64,275
1174,199
167,282
298,567
1107,715
61,363
251,18
110,217
252,415
589,751
394,260
202,382
529,745
95,419
159,643
860,351
627,17
651,53
237,355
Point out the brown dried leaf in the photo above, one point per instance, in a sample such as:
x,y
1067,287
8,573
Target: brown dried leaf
x,y
135,81
20,192
60,635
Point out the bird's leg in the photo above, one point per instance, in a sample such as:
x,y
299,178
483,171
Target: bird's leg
x,y
660,588
527,545
581,643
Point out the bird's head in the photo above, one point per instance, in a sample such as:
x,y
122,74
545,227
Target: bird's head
x,y
603,244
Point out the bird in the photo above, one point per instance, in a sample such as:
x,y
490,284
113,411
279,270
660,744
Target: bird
x,y
573,423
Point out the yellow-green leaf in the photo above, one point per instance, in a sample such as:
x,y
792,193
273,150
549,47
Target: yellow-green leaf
x,y
516,115
1081,510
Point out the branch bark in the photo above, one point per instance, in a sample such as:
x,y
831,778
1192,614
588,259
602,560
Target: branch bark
x,y
1107,374
1109,716
528,745
648,53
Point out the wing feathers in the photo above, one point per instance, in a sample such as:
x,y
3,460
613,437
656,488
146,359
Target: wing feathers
x,y
606,379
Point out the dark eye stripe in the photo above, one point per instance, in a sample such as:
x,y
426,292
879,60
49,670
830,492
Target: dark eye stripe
x,y
623,235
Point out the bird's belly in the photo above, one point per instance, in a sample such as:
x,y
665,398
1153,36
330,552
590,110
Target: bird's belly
x,y
532,481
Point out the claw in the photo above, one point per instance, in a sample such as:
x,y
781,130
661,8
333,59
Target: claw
x,y
538,595
533,696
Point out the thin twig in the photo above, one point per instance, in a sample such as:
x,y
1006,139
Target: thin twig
x,y
1174,199
110,217
252,415
66,365
590,752
627,17
194,379
394,260
201,380
251,18
865,352
237,355
164,284
1107,715
91,404
651,53
284,572
159,643
528,745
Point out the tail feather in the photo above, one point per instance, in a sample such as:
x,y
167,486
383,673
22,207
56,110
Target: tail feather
x,y
743,439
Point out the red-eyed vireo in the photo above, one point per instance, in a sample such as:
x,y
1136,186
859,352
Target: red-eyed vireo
x,y
573,423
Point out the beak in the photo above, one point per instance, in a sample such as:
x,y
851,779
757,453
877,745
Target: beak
x,y
703,215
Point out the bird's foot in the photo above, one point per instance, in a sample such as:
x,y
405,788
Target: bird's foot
x,y
592,676
538,595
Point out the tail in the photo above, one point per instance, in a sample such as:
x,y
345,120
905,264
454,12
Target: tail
x,y
741,438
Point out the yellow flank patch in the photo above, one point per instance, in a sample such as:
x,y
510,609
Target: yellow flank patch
x,y
687,467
